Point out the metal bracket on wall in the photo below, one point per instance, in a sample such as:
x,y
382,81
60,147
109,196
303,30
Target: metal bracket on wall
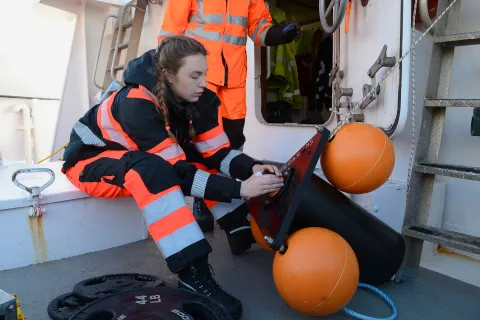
x,y
333,74
370,96
342,92
358,117
382,61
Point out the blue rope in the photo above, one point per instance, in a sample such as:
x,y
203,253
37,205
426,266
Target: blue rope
x,y
383,295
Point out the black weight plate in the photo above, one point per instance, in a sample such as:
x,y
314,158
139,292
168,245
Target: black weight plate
x,y
64,306
160,303
99,287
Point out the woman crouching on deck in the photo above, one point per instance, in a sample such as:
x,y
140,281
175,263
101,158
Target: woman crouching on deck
x,y
158,139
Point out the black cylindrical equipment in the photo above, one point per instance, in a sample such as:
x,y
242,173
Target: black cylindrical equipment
x,y
379,249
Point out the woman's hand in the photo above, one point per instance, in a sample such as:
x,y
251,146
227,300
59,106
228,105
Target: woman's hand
x,y
266,167
257,185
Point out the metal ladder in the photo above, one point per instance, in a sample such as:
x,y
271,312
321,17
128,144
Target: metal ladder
x,y
110,82
425,166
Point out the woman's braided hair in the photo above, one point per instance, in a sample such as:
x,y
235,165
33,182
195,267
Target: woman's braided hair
x,y
169,57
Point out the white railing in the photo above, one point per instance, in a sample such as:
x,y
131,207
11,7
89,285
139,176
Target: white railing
x,y
28,127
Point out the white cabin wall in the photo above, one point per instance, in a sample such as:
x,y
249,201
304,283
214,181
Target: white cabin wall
x,y
151,27
34,62
34,58
12,138
74,100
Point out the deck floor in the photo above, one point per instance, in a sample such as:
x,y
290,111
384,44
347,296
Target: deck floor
x,y
424,295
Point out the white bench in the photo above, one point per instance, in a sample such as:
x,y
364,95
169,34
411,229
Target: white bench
x,y
73,223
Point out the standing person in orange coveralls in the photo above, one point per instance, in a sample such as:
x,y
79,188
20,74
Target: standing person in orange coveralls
x,y
158,139
222,27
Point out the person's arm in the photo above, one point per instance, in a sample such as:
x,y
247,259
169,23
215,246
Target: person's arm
x,y
259,22
146,128
212,142
175,18
261,30
217,153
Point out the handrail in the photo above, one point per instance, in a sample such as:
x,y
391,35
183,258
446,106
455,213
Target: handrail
x,y
99,50
28,127
424,13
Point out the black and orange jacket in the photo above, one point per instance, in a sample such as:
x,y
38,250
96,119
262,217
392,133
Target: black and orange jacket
x,y
129,120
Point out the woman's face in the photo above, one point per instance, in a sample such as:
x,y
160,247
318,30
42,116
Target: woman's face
x,y
189,82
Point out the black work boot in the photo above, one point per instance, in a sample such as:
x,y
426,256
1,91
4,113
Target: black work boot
x,y
203,215
198,277
241,238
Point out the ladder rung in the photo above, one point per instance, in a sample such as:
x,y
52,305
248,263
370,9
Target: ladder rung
x,y
449,170
122,45
446,238
459,39
127,24
458,103
116,68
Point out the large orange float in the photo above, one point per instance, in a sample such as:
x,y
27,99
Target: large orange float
x,y
318,274
359,159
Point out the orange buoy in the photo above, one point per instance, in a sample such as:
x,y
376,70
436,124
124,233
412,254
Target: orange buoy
x,y
359,159
318,274
257,234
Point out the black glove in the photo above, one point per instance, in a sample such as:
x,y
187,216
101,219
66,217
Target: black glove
x,y
278,35
291,32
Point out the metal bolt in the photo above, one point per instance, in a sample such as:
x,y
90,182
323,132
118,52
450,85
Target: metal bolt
x,y
268,239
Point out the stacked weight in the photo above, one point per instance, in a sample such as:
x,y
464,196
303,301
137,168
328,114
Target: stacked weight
x,y
87,291
133,297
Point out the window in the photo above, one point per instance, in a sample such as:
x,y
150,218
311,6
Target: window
x,y
295,86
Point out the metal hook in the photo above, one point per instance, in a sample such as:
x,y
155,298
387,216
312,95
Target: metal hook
x,y
34,191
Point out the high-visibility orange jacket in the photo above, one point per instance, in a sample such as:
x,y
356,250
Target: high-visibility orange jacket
x,y
222,27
